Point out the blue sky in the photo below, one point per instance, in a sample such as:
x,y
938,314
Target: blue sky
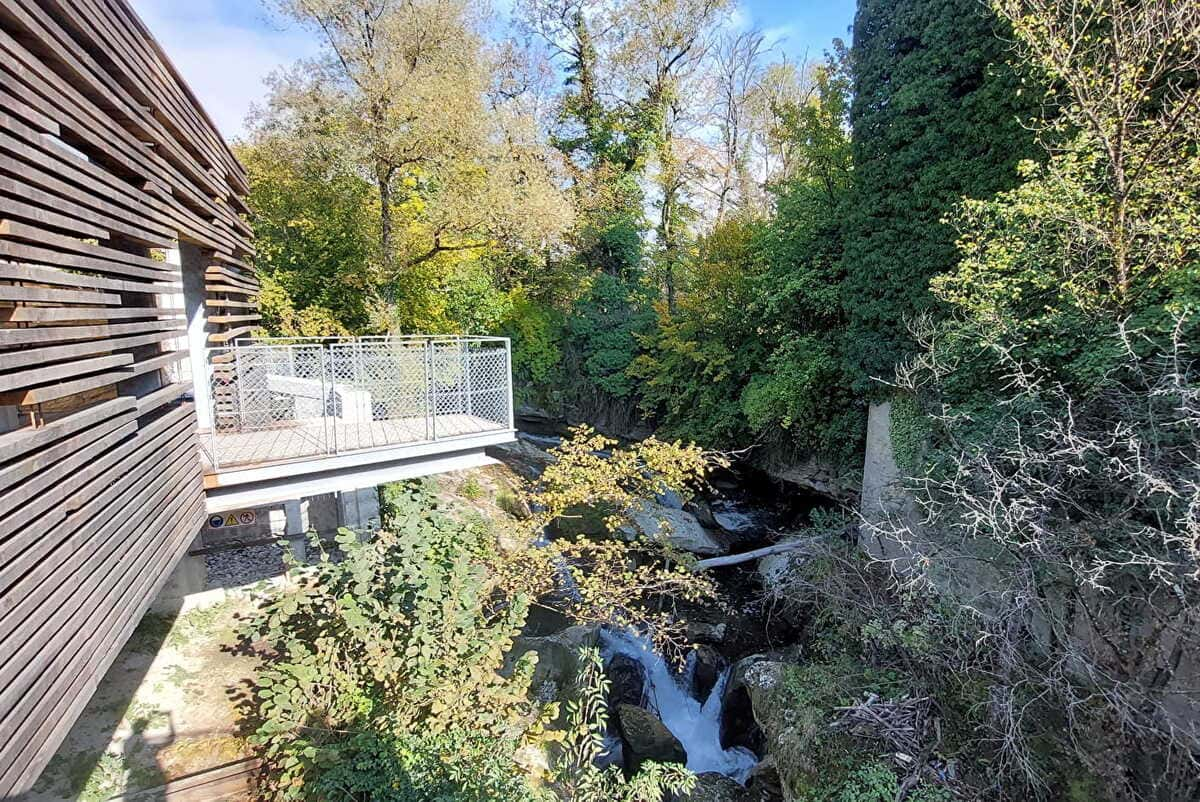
x,y
225,48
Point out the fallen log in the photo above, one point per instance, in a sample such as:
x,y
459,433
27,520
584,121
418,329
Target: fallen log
x,y
747,556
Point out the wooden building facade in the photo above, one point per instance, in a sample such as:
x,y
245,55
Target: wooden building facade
x,y
108,167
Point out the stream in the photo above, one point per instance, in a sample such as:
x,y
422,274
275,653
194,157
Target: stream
x,y
743,509
696,724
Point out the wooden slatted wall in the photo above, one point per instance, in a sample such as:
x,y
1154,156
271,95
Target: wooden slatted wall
x,y
106,160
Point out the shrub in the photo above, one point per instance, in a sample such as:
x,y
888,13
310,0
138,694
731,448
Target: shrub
x,y
383,677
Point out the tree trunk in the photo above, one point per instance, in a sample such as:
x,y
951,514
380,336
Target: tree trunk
x,y
383,177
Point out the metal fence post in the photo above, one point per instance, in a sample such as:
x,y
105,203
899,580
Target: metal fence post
x,y
508,381
328,397
430,394
240,380
212,406
469,402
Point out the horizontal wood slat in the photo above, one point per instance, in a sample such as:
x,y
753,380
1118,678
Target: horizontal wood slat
x,y
107,163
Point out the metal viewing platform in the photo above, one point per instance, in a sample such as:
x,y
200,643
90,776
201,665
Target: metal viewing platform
x,y
287,407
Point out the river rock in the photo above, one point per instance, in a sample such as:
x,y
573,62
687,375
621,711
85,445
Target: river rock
x,y
732,521
712,787
775,570
647,738
522,456
678,527
669,498
537,418
815,476
703,512
706,631
707,670
764,780
558,659
739,727
628,681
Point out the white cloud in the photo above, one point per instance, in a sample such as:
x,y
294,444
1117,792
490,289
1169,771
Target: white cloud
x,y
224,51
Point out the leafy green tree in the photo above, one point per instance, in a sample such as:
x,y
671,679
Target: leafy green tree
x,y
936,116
605,144
1108,227
314,225
801,396
699,358
603,329
753,351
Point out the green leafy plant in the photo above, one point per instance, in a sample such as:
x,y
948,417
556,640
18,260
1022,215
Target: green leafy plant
x,y
578,777
470,489
389,661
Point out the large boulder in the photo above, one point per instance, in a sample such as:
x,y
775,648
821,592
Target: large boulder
x,y
786,728
712,787
647,738
732,520
703,512
679,528
707,669
669,498
775,570
711,632
522,456
627,678
558,659
739,727
764,780
813,475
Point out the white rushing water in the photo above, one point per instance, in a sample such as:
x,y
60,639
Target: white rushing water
x,y
697,725
731,518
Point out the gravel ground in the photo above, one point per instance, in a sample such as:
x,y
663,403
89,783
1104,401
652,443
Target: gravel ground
x,y
228,569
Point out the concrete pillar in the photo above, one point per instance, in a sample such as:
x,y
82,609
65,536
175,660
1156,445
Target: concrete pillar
x,y
190,576
360,510
296,527
884,497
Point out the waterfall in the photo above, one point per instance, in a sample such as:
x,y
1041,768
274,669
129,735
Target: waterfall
x,y
697,725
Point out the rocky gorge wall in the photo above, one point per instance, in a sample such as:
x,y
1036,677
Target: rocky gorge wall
x,y
1117,646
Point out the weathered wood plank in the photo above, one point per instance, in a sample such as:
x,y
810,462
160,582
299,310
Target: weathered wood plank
x,y
231,334
52,275
29,378
104,153
41,460
10,207
225,319
12,292
167,395
28,357
226,303
20,554
41,314
37,746
14,445
23,109
230,289
106,596
14,337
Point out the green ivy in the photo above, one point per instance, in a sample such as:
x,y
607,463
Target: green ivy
x,y
910,430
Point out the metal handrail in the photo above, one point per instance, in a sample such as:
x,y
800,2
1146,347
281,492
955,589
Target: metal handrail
x,y
256,342
316,397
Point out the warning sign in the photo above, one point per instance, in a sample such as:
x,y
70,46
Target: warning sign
x,y
228,519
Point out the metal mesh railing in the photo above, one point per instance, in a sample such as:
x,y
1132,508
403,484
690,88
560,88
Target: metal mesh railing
x,y
286,399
